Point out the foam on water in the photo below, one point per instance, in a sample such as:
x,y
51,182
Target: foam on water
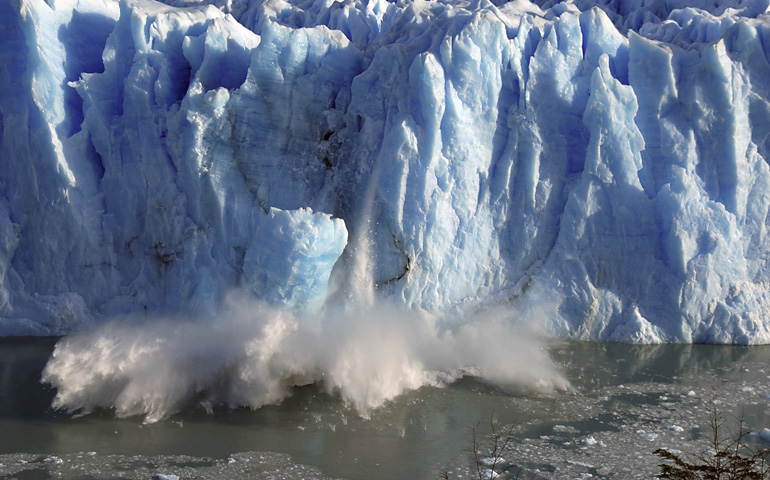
x,y
251,354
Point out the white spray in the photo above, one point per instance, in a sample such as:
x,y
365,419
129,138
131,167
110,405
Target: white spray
x,y
252,354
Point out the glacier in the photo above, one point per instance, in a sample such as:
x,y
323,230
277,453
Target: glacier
x,y
607,158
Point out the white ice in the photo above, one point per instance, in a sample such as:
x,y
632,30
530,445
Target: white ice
x,y
157,156
607,166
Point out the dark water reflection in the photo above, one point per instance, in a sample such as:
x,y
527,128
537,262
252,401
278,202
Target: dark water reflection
x,y
596,364
21,361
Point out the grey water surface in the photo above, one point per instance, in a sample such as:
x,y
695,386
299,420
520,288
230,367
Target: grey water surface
x,y
627,401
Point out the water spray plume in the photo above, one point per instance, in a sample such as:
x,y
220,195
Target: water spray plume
x,y
251,355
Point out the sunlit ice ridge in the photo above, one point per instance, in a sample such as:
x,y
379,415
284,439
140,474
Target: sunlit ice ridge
x,y
602,163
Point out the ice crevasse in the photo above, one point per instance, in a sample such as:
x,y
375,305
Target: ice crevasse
x,y
608,157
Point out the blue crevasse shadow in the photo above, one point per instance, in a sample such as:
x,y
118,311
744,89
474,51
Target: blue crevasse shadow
x,y
83,39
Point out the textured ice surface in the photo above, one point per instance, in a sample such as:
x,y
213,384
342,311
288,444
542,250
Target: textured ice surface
x,y
610,156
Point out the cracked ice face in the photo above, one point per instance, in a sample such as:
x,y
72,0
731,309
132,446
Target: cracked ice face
x,y
613,161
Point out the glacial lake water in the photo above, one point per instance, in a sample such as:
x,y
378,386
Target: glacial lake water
x,y
628,401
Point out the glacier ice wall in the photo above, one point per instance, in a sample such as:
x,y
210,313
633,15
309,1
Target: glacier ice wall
x,y
609,156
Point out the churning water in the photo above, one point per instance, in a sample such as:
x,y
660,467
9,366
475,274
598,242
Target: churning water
x,y
626,402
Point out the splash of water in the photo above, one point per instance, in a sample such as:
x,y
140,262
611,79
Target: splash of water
x,y
252,354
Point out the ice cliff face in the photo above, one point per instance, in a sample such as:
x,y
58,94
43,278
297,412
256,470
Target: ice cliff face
x,y
611,157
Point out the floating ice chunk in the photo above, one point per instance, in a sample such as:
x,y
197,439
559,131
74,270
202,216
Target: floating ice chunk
x,y
564,428
488,474
490,461
591,441
765,434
